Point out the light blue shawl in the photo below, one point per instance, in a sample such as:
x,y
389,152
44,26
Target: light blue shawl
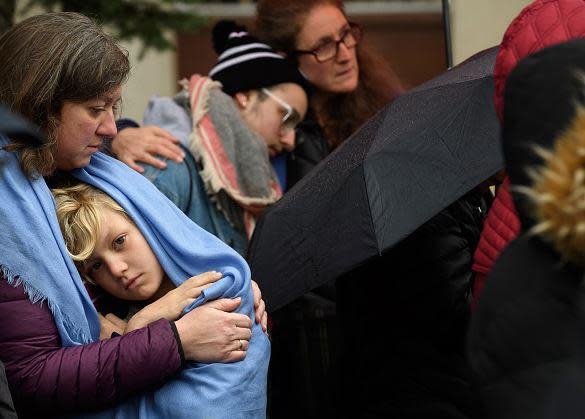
x,y
34,254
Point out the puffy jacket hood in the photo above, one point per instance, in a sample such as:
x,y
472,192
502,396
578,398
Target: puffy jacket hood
x,y
544,145
540,24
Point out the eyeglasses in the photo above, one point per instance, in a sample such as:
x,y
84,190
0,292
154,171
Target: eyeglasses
x,y
291,118
329,50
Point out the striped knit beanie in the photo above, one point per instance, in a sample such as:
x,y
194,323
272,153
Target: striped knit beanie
x,y
245,64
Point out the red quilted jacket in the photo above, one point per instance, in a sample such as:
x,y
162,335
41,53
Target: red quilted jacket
x,y
541,24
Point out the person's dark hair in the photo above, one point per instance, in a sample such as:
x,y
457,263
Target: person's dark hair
x,y
48,60
279,21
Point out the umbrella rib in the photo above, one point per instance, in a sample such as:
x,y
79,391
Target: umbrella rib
x,y
371,216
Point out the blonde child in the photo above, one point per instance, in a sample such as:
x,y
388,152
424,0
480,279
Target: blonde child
x,y
110,251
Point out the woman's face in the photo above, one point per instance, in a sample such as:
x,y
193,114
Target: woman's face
x,y
82,128
326,23
274,117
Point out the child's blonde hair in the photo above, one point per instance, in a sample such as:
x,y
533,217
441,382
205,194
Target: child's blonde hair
x,y
79,211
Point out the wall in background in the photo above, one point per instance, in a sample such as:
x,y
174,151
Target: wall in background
x,y
409,36
154,74
480,24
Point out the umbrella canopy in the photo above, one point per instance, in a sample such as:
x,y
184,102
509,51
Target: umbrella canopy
x,y
414,158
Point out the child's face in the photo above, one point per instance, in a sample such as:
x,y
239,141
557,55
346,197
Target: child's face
x,y
123,263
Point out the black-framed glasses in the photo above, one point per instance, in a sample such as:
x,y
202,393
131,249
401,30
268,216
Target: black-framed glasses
x,y
329,50
291,117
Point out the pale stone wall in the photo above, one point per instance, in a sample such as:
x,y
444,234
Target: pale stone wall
x,y
154,74
480,24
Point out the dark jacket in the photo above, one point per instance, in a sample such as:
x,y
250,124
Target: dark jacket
x,y
45,378
404,317
311,147
527,336
527,340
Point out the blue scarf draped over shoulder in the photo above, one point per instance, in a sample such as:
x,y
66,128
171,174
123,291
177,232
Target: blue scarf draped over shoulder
x,y
35,256
232,390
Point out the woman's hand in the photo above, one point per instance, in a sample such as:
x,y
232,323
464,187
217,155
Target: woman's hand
x,y
259,307
133,145
211,333
110,324
171,305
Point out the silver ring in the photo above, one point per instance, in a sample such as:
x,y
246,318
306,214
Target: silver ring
x,y
241,344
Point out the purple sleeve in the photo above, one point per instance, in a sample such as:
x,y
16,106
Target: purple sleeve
x,y
43,375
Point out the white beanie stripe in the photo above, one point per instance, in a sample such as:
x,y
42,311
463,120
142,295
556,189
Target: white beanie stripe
x,y
242,58
238,34
241,48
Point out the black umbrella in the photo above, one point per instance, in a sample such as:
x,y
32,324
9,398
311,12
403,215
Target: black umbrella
x,y
414,158
15,126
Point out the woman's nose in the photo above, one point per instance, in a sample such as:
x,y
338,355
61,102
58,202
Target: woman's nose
x,y
343,52
288,140
107,126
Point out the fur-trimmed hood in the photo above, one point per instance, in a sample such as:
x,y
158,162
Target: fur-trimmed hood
x,y
544,146
558,192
